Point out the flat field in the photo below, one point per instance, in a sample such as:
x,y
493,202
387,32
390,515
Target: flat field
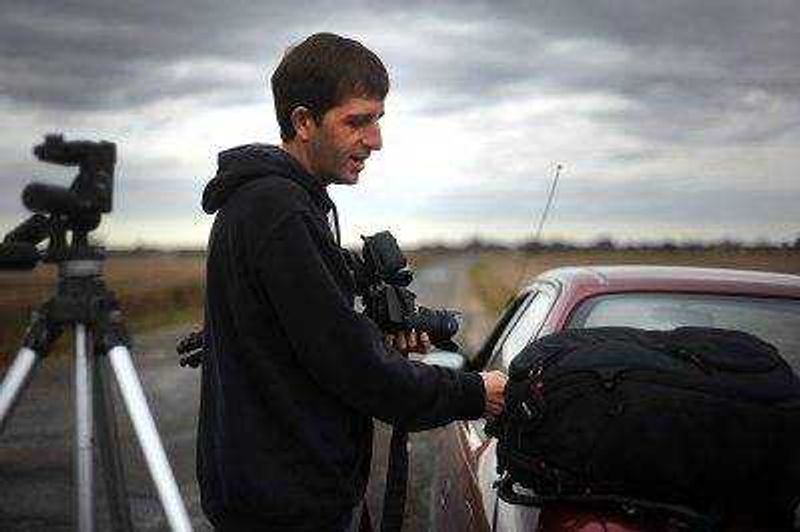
x,y
154,290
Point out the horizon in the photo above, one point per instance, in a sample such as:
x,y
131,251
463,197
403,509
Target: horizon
x,y
553,244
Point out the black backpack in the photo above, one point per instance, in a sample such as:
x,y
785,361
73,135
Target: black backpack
x,y
695,421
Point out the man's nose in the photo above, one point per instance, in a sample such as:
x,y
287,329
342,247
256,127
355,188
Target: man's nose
x,y
372,138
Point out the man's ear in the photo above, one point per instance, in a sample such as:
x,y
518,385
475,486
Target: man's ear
x,y
303,122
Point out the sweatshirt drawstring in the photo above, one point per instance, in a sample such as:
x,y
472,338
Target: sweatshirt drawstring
x,y
337,233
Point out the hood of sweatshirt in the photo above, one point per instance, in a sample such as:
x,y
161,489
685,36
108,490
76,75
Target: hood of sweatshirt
x,y
240,165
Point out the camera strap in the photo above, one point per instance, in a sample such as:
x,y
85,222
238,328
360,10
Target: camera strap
x,y
394,498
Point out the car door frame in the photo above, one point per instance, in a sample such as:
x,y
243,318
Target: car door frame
x,y
474,449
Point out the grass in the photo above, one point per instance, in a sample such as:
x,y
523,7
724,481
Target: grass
x,y
153,290
496,276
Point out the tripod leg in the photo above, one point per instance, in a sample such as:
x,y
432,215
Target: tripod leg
x,y
149,440
16,379
108,444
84,443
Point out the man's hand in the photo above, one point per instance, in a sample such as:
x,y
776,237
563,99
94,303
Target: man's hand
x,y
191,348
494,382
409,342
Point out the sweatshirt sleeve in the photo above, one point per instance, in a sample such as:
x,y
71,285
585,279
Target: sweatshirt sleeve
x,y
343,350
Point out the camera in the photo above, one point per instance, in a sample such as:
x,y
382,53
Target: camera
x,y
382,278
58,209
90,194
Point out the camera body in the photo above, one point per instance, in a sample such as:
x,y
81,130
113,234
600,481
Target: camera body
x,y
382,280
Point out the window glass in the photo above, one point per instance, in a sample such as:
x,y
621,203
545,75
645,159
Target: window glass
x,y
530,320
500,330
776,321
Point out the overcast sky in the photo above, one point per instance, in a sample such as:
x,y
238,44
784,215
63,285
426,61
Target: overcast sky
x,y
673,119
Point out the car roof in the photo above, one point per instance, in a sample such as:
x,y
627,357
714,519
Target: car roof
x,y
589,280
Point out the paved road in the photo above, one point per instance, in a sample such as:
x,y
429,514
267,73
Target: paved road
x,y
36,455
36,447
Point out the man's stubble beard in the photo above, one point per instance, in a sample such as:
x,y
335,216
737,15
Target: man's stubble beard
x,y
327,163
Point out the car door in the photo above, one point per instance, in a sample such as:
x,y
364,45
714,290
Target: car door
x,y
455,489
464,495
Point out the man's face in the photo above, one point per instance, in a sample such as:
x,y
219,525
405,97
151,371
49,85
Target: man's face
x,y
344,139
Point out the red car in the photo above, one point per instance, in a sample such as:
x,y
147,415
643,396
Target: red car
x,y
650,297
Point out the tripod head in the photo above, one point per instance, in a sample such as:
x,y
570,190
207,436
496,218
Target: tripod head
x,y
59,210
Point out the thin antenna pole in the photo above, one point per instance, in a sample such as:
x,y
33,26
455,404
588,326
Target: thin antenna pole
x,y
549,203
550,196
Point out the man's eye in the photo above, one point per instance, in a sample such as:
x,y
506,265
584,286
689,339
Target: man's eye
x,y
360,121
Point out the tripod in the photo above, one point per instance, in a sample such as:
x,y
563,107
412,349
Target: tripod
x,y
83,302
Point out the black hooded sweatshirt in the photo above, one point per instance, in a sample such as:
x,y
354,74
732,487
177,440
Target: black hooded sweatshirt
x,y
293,374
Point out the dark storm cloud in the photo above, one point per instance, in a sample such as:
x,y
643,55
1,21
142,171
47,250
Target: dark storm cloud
x,y
99,55
691,61
94,54
691,70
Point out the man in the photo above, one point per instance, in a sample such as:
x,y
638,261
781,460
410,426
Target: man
x,y
294,374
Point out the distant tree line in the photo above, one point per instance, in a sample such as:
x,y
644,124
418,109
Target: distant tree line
x,y
480,245
609,244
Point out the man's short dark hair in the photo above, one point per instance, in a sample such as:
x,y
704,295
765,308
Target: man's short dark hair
x,y
320,73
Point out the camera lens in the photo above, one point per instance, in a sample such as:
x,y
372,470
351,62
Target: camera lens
x,y
441,325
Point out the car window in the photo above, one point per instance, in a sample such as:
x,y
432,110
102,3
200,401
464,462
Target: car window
x,y
774,320
508,317
524,327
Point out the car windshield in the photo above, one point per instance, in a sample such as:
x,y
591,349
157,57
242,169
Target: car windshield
x,y
776,321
